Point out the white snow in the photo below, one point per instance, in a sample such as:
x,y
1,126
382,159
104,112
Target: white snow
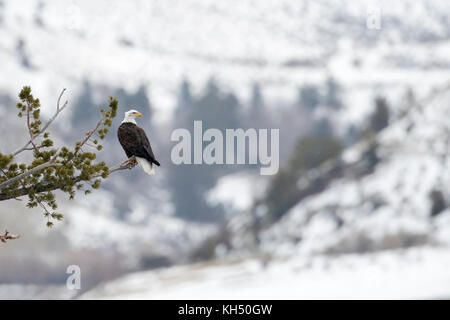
x,y
419,273
237,191
281,44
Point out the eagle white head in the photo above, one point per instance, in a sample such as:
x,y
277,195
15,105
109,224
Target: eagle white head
x,y
131,115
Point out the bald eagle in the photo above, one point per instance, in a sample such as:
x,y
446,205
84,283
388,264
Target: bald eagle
x,y
134,142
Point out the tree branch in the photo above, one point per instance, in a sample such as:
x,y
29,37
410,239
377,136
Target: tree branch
x,y
127,164
59,109
37,147
130,163
21,176
30,130
8,236
88,136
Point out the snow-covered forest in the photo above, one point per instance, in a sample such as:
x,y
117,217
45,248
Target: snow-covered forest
x,y
359,207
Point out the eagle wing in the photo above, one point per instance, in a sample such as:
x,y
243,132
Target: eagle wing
x,y
128,138
146,148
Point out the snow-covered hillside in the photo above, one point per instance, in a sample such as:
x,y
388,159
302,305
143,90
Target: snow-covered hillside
x,y
281,44
389,208
369,237
403,274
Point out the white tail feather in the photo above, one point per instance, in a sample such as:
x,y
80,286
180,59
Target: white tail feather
x,y
146,166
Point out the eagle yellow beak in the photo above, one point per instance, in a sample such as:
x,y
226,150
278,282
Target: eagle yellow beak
x,y
139,115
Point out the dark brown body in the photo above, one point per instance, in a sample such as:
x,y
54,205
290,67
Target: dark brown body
x,y
135,142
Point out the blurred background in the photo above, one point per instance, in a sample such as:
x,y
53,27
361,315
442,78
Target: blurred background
x,y
360,91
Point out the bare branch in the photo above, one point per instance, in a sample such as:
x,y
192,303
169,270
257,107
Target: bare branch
x,y
32,148
59,109
47,213
91,145
8,236
88,136
58,104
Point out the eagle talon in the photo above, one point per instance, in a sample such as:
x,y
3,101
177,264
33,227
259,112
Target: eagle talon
x,y
131,163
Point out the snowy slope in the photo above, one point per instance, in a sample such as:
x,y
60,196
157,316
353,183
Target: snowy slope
x,y
280,44
387,209
402,274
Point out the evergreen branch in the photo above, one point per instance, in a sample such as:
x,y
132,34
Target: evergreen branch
x,y
54,169
21,176
30,130
88,136
127,164
4,173
59,109
130,163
